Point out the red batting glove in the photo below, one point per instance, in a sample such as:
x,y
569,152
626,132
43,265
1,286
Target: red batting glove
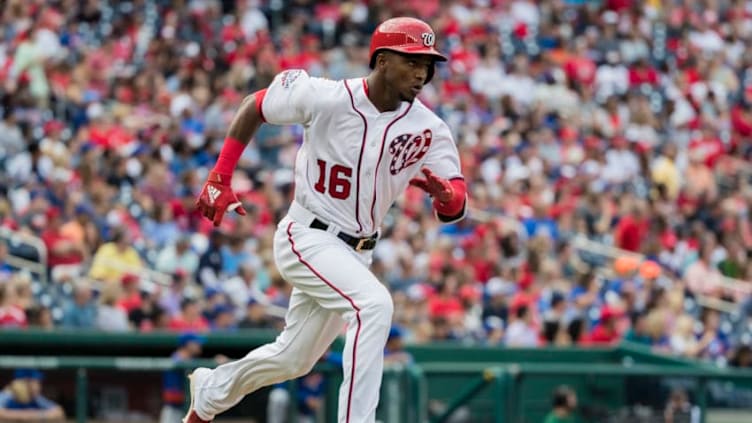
x,y
217,198
439,188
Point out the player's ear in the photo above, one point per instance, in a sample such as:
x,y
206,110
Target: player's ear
x,y
382,58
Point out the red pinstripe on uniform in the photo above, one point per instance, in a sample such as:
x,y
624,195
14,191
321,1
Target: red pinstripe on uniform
x,y
343,295
360,157
378,162
259,96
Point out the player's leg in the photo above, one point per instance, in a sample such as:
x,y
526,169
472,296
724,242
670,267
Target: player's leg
x,y
338,279
309,331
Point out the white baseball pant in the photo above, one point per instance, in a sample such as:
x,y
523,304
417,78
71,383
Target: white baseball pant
x,y
332,285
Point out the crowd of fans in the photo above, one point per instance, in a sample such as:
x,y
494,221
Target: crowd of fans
x,y
623,122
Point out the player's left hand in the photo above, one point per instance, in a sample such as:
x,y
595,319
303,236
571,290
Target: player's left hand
x,y
217,198
439,188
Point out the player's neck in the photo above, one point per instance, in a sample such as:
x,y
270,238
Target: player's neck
x,y
383,99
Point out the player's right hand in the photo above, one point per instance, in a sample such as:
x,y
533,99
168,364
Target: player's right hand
x,y
217,198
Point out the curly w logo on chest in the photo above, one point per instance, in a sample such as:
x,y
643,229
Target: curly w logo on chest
x,y
408,149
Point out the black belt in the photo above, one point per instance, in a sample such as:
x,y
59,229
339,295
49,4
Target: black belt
x,y
358,244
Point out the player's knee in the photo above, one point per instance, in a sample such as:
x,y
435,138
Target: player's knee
x,y
380,306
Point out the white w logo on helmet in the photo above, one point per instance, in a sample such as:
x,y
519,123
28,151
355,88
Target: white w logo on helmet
x,y
428,39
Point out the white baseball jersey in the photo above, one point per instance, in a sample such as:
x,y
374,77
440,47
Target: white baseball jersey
x,y
355,161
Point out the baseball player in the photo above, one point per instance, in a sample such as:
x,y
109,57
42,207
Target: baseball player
x,y
365,140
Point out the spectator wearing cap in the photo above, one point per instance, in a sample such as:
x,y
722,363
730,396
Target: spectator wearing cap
x,y
495,307
223,318
394,351
131,296
606,330
22,399
312,389
173,381
81,312
213,298
115,258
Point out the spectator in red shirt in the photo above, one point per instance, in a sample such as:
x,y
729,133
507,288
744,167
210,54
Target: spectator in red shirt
x,y
642,73
631,229
446,302
708,146
131,298
61,248
189,318
11,315
605,332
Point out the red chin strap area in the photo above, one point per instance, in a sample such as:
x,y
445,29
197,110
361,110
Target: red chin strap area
x,y
455,205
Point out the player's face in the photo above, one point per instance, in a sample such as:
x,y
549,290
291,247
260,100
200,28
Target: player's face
x,y
407,74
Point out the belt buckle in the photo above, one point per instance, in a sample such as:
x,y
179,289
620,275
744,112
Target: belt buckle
x,y
361,244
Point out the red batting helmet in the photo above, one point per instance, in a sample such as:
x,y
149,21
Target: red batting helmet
x,y
407,36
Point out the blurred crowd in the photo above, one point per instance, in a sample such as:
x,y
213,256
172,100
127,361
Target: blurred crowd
x,y
606,145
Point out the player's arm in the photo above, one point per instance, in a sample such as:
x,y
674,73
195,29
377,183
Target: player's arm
x,y
443,179
217,197
285,101
449,195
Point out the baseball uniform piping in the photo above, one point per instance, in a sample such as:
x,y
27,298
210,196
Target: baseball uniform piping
x,y
343,295
360,157
378,162
259,96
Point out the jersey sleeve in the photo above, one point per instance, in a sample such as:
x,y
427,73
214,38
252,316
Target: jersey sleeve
x,y
443,158
289,98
